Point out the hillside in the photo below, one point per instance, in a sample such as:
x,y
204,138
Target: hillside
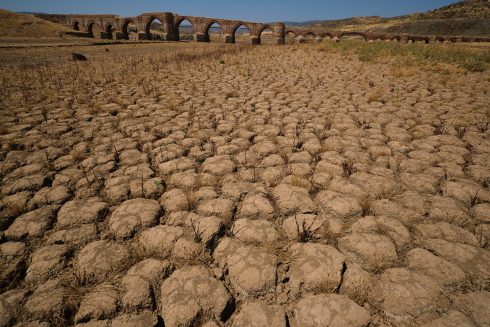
x,y
468,18
25,25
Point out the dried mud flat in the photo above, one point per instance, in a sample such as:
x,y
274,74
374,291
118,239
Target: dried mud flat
x,y
264,186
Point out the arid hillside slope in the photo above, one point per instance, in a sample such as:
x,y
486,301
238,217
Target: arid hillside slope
x,y
468,18
23,25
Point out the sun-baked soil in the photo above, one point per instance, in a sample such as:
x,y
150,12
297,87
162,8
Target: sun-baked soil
x,y
213,185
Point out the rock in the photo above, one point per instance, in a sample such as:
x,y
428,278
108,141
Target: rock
x,y
99,259
95,323
444,272
12,271
452,319
186,180
12,249
449,210
207,229
405,295
338,203
84,211
218,165
252,270
376,186
257,314
10,305
356,283
292,199
219,207
255,231
448,232
234,190
74,236
329,310
210,324
159,240
482,233
27,183
138,294
192,292
181,219
465,191
100,303
176,165
475,306
49,195
383,225
116,189
35,323
32,224
187,249
372,251
46,262
305,226
315,268
482,212
385,207
143,319
141,283
423,183
255,206
132,157
474,261
150,189
131,215
51,299
174,200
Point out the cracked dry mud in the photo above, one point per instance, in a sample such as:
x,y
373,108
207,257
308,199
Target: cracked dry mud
x,y
269,186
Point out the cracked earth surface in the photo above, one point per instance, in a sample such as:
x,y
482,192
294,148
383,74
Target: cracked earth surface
x,y
270,186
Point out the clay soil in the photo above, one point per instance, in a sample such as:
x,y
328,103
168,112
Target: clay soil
x,y
227,185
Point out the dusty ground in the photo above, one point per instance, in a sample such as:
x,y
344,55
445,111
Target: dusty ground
x,y
241,186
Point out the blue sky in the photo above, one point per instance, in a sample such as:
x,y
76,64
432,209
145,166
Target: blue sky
x,y
251,10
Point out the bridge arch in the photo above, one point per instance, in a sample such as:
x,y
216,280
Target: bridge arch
x,y
75,25
108,29
265,39
325,34
351,34
148,23
183,23
290,37
93,29
128,26
209,27
245,31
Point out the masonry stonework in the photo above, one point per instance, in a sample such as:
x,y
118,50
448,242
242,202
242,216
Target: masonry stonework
x,y
116,27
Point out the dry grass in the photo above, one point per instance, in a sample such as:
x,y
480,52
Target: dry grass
x,y
27,26
426,55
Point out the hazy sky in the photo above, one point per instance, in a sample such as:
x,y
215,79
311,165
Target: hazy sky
x,y
252,10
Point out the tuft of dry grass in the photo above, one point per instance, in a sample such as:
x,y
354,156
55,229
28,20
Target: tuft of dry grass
x,y
349,168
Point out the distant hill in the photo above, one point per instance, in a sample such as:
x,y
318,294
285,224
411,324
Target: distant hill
x,y
26,25
467,18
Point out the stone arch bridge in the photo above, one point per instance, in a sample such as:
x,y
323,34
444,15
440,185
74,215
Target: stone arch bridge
x,y
111,26
117,27
301,35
